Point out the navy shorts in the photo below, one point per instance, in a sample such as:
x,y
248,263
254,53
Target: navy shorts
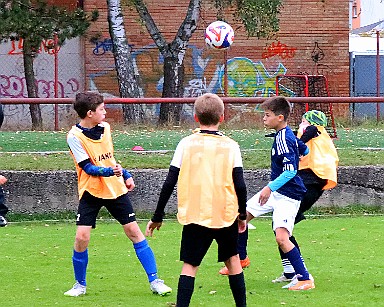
x,y
89,207
196,240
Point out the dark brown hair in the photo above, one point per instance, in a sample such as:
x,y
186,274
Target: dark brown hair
x,y
87,101
278,105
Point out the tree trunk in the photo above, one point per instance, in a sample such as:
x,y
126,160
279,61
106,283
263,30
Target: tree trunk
x,y
173,54
126,75
28,57
173,87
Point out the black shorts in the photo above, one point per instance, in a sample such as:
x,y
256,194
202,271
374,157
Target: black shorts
x,y
89,207
197,239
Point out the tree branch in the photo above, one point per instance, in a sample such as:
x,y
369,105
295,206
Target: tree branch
x,y
151,26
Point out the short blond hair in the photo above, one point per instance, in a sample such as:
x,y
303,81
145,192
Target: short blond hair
x,y
208,109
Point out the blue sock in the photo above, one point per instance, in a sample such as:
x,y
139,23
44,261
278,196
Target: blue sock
x,y
297,262
147,258
80,262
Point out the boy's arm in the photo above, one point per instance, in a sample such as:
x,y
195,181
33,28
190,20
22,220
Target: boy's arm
x,y
94,170
83,160
241,191
166,192
3,180
282,179
309,133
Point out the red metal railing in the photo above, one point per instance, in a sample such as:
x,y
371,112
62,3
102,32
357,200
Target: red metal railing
x,y
192,100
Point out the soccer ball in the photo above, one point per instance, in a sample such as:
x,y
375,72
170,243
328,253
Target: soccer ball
x,y
219,35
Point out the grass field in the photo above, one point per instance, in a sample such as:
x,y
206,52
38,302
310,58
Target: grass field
x,y
344,255
356,146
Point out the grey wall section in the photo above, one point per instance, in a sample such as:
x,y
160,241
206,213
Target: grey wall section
x,y
47,192
363,83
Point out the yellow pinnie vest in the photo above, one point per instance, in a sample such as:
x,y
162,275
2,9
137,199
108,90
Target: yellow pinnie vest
x,y
206,193
100,153
322,158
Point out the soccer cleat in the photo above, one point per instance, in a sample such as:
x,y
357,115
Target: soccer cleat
x,y
3,221
159,287
76,290
294,281
244,264
282,278
303,285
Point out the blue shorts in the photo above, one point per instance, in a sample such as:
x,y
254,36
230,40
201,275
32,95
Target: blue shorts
x,y
89,207
197,239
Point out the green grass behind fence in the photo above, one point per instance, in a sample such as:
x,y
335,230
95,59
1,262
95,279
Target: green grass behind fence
x,y
357,146
343,254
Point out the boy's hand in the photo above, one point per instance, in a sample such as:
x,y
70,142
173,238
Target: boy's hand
x,y
264,195
242,225
130,184
3,180
118,170
151,226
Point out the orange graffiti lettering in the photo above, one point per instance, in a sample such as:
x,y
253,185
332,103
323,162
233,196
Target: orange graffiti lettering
x,y
279,49
47,46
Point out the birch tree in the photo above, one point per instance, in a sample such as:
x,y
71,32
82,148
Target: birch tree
x,y
126,73
259,18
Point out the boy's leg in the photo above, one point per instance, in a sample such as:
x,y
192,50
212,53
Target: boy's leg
x,y
146,257
255,210
314,191
80,253
122,210
295,258
195,242
227,242
80,260
186,285
143,251
242,243
236,280
288,270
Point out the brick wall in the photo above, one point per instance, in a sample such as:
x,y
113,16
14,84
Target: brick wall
x,y
307,29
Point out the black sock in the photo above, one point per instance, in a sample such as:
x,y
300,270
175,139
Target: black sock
x,y
237,284
185,290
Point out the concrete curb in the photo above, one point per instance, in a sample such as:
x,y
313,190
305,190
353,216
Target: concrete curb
x,y
48,192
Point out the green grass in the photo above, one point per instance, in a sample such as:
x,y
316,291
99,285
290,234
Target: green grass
x,y
343,254
356,146
167,139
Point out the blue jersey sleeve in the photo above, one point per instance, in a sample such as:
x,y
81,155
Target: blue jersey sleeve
x,y
303,149
281,180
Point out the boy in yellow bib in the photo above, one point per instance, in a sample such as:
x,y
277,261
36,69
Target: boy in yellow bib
x,y
102,182
211,195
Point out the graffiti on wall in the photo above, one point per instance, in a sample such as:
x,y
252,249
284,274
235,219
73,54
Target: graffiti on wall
x,y
203,71
104,46
15,87
279,49
46,46
13,84
12,79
